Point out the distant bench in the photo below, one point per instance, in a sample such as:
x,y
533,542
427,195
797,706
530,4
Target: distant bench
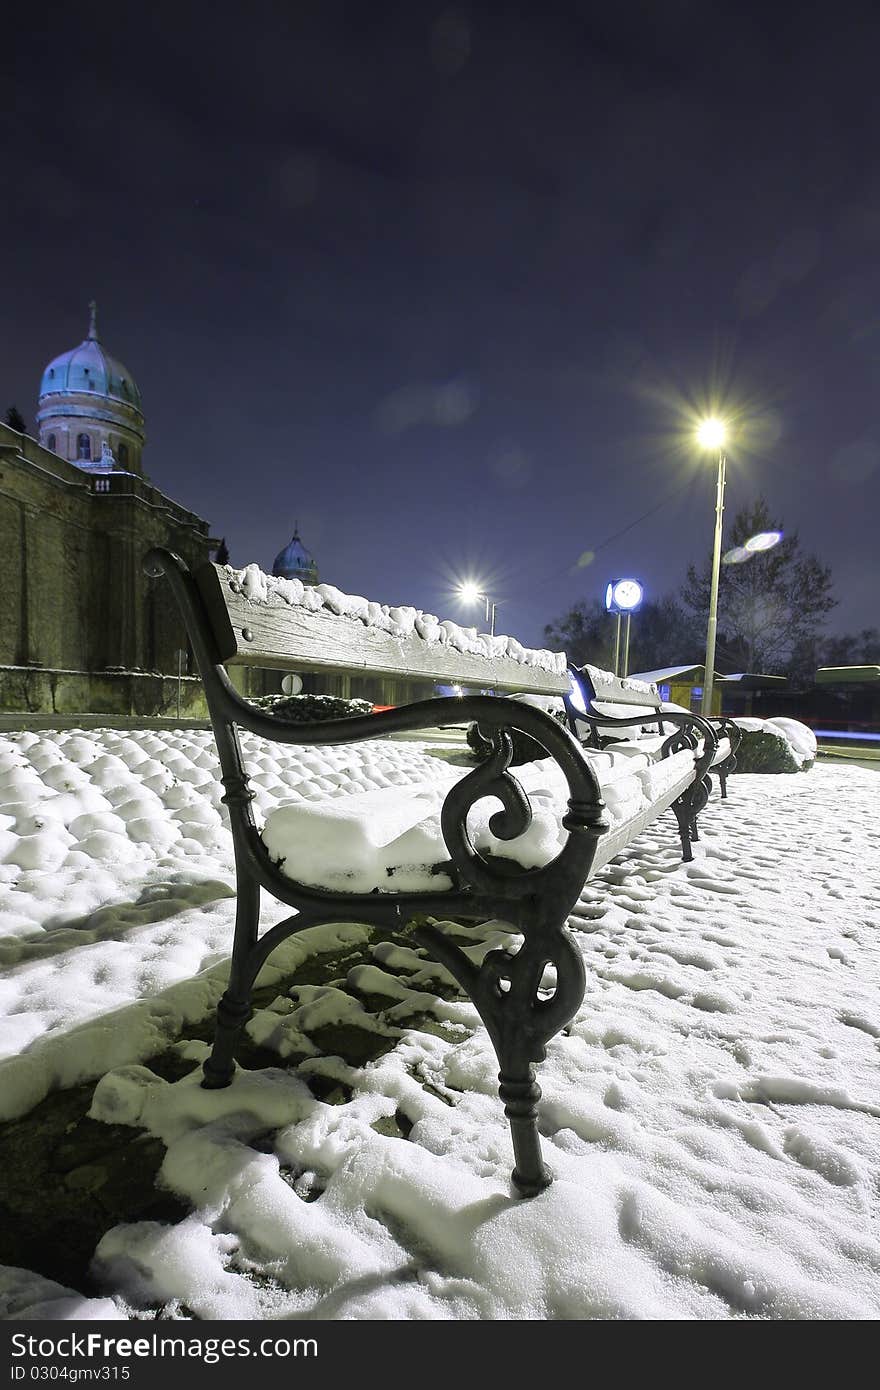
x,y
606,711
480,875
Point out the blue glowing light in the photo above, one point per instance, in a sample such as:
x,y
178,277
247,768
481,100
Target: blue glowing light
x,y
837,733
623,596
576,693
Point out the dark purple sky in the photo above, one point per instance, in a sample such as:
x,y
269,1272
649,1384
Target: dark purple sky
x,y
438,281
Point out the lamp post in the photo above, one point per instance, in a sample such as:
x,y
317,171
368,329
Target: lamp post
x,y
469,593
712,435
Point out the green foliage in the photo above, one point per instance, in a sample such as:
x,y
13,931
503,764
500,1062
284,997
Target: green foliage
x,y
303,709
761,751
770,608
15,420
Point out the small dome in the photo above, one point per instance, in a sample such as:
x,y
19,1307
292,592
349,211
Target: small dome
x,y
88,368
295,562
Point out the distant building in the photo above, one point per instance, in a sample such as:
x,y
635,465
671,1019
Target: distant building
x,y
295,562
81,627
89,403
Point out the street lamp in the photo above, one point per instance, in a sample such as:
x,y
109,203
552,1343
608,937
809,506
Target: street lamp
x,y
469,593
712,436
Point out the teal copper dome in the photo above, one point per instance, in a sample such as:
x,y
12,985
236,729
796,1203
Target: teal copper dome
x,y
295,562
90,369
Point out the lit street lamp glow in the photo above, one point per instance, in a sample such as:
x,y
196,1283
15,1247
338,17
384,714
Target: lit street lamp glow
x,y
712,434
471,593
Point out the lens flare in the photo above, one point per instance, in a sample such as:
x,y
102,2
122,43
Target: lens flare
x,y
735,556
765,540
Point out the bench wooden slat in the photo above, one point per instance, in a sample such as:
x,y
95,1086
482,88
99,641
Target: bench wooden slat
x,y
618,837
283,635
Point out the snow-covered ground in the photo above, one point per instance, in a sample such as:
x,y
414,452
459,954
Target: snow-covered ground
x,y
712,1117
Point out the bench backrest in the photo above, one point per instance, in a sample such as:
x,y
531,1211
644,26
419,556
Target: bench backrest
x,y
608,696
255,624
603,687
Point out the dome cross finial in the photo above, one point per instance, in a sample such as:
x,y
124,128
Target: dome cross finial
x,y
93,321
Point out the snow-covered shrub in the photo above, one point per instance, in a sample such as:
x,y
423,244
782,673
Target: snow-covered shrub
x,y
302,709
765,750
800,737
775,745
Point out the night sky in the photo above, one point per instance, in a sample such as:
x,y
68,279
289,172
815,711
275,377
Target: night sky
x,y
442,283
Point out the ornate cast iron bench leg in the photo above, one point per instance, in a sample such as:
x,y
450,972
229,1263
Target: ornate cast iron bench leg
x,y
505,992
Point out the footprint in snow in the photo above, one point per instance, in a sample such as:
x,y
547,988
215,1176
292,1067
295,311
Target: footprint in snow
x,y
716,885
864,1025
837,954
825,1159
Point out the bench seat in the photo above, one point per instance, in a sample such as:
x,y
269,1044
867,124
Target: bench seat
x,y
651,746
389,839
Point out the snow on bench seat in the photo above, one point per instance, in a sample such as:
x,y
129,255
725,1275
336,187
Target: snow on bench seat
x,y
389,839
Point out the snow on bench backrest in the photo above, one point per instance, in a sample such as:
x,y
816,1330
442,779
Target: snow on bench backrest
x,y
259,620
619,690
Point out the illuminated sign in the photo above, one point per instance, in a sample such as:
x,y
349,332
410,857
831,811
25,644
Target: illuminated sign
x,y
623,596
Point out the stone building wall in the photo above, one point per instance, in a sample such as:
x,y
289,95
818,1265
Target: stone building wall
x,y
74,596
29,690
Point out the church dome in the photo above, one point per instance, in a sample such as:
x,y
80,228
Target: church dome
x,y
89,410
88,368
295,562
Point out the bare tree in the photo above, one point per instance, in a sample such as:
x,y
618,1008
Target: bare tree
x,y
772,605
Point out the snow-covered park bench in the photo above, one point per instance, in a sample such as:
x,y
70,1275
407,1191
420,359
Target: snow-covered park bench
x,y
473,845
630,717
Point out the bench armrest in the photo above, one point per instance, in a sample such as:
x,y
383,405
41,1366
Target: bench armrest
x,y
729,728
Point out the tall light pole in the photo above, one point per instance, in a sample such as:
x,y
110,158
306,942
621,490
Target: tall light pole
x,y
712,436
468,593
